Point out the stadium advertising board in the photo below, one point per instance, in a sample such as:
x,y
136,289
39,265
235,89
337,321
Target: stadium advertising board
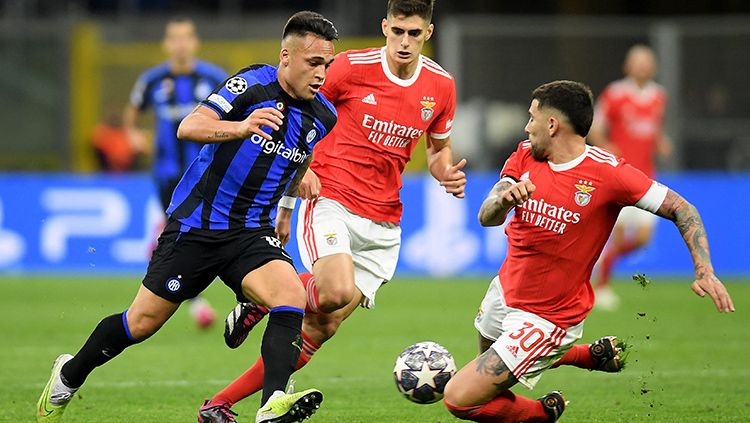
x,y
102,223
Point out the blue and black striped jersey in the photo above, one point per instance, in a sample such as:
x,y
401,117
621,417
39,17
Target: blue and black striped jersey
x,y
238,184
173,96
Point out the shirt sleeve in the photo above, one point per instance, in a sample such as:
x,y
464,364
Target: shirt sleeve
x,y
630,184
139,97
441,127
653,198
512,168
230,99
338,77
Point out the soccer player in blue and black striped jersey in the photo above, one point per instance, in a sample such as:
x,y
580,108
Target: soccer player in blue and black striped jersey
x,y
173,89
259,129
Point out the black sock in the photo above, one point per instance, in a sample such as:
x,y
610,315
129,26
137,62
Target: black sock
x,y
109,338
282,343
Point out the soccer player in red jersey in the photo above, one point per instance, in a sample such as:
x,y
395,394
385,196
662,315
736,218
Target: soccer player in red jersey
x,y
349,235
566,196
628,121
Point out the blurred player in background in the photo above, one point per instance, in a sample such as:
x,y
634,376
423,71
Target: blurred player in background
x,y
260,128
173,89
629,122
349,236
566,197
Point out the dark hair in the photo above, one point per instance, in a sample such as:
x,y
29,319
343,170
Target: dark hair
x,y
421,8
306,22
573,99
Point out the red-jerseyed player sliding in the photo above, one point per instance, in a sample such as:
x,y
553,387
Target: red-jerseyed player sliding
x,y
349,236
566,197
629,122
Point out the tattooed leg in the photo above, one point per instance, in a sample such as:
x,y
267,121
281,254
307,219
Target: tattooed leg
x,y
480,381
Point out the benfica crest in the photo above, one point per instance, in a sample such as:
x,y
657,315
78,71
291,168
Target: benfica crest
x,y
583,196
427,106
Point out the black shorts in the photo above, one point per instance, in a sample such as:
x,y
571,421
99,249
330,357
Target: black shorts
x,y
187,260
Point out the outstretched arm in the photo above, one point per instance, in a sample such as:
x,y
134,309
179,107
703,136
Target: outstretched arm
x,y
685,216
504,196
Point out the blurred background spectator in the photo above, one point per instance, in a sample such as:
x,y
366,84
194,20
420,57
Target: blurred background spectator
x,y
113,149
73,56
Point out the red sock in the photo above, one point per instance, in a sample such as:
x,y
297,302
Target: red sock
x,y
313,302
507,407
578,356
251,381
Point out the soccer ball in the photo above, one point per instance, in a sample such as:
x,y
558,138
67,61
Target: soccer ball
x,y
422,371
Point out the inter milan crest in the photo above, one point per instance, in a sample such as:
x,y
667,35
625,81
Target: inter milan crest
x,y
427,104
311,135
583,196
236,85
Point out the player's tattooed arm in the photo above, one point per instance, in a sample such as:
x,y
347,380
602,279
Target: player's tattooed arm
x,y
293,189
688,221
219,135
492,213
504,196
685,216
490,364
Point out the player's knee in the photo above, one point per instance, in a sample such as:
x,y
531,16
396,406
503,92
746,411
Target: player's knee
x,y
463,413
457,396
336,297
292,295
642,239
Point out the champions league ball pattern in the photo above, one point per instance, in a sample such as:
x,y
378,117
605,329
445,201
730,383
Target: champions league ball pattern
x,y
422,371
236,85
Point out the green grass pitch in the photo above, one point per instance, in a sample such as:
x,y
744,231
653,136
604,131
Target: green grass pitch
x,y
688,363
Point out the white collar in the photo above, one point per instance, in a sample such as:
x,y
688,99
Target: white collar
x,y
562,167
395,79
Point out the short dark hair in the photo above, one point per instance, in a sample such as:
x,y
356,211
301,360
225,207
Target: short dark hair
x,y
421,8
306,22
573,99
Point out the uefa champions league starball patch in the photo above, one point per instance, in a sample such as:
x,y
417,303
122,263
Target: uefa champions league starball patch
x,y
236,85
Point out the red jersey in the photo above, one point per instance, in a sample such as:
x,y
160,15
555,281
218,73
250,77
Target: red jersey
x,y
556,236
380,120
634,117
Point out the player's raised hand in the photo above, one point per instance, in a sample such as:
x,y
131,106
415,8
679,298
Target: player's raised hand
x,y
454,180
517,194
309,187
708,283
266,116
